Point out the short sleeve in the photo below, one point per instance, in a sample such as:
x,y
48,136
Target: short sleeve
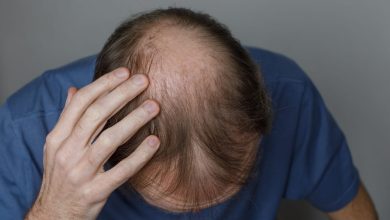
x,y
322,170
12,202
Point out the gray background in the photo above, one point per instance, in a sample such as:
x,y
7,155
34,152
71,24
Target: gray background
x,y
343,45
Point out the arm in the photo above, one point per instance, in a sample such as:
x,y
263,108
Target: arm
x,y
360,208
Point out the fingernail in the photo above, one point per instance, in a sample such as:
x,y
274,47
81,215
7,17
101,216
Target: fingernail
x,y
150,107
121,74
138,79
153,141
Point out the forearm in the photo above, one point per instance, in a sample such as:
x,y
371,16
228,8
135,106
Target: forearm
x,y
360,208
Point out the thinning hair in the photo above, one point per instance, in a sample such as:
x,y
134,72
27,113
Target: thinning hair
x,y
213,102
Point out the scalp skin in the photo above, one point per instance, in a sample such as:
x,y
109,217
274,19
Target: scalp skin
x,y
185,75
213,107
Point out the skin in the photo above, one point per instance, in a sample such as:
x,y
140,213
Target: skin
x,y
75,185
360,208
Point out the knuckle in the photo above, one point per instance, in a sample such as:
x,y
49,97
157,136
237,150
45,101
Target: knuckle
x,y
91,193
132,168
61,160
144,155
105,139
93,114
122,91
87,194
91,159
79,130
107,81
50,139
140,117
73,176
118,177
79,96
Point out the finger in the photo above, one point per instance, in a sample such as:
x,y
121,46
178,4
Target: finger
x,y
71,91
69,94
106,144
83,98
116,176
97,132
99,111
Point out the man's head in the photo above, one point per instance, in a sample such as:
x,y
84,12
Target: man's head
x,y
213,106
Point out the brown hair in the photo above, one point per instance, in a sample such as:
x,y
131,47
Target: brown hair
x,y
213,102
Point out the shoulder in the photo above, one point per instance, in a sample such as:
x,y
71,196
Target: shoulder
x,y
276,67
286,82
47,92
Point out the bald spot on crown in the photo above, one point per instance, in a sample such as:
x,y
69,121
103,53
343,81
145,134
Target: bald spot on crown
x,y
184,71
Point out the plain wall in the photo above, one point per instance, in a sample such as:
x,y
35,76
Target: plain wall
x,y
344,46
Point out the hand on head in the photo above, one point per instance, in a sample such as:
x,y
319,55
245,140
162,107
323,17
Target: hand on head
x,y
75,185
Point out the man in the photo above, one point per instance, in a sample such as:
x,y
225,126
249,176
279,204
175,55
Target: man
x,y
188,135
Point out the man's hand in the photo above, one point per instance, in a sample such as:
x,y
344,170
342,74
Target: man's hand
x,y
74,184
360,208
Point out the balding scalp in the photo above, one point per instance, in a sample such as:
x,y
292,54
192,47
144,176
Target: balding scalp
x,y
214,107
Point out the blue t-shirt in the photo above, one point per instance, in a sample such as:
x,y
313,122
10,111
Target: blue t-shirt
x,y
305,156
